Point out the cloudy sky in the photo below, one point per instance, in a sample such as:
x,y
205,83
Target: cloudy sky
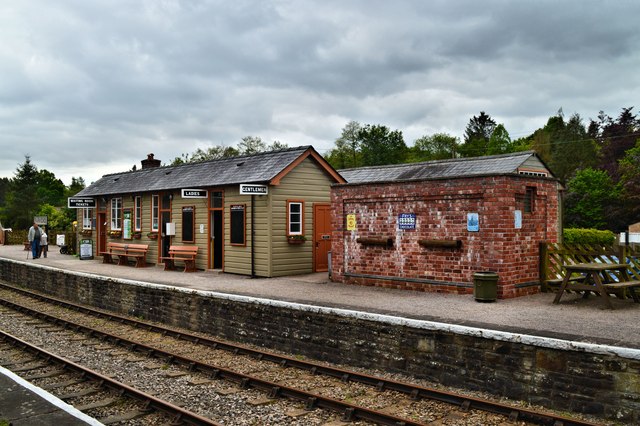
x,y
91,87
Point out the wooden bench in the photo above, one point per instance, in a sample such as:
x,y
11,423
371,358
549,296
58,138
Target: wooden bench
x,y
620,288
186,254
138,252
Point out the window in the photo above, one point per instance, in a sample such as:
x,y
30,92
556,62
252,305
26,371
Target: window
x,y
216,199
295,218
116,214
87,218
154,212
188,224
526,200
138,213
238,225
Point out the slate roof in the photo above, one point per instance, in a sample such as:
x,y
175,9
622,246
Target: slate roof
x,y
257,168
439,169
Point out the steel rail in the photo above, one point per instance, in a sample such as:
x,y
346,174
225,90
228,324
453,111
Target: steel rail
x,y
415,391
150,401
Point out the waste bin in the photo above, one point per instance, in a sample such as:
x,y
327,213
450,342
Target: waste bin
x,y
485,286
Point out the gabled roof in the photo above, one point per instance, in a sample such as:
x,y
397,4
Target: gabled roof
x,y
264,168
520,162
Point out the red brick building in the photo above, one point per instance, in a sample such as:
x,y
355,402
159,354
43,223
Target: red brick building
x,y
430,226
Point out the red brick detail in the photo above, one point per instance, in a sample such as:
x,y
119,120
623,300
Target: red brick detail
x,y
441,208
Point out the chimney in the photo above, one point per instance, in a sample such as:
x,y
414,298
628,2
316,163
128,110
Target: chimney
x,y
150,162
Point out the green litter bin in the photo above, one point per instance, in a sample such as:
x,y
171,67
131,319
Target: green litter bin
x,y
485,286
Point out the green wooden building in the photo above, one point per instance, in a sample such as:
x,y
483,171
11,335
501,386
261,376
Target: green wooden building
x,y
265,215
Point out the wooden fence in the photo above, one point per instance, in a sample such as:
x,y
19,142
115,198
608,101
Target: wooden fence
x,y
554,256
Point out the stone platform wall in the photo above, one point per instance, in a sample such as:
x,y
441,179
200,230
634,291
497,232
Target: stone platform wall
x,y
570,376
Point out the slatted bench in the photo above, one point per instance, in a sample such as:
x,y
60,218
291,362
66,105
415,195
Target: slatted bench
x,y
620,287
137,252
186,254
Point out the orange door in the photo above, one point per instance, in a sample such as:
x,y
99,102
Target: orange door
x,y
321,236
101,232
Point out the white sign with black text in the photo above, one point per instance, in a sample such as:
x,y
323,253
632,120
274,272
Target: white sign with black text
x,y
250,189
194,193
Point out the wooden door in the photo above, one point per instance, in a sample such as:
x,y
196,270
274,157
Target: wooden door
x,y
101,231
321,237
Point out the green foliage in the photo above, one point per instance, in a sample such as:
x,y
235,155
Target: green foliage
x,y
380,146
36,193
588,236
439,146
248,146
58,218
346,153
590,195
477,135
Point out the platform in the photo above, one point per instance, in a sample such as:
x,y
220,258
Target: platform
x,y
22,404
574,319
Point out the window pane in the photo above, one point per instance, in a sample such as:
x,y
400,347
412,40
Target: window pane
x,y
216,199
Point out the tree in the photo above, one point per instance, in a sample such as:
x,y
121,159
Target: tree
x,y
277,145
438,146
591,196
50,189
477,135
346,153
21,203
212,153
571,147
499,141
381,146
251,145
629,169
615,137
77,185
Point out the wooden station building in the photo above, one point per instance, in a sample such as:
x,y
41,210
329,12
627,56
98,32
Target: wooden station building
x,y
430,226
264,215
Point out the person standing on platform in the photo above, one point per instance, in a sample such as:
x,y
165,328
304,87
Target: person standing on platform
x,y
34,239
44,244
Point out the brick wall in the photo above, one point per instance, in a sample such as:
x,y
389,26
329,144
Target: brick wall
x,y
441,208
570,376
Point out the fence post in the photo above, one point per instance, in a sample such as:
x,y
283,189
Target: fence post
x,y
622,253
544,266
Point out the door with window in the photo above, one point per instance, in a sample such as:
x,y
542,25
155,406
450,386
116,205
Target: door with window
x,y
165,217
321,237
216,236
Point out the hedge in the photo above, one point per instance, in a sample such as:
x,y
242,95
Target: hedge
x,y
588,236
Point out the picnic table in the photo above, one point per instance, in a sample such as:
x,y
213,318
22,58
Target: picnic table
x,y
597,278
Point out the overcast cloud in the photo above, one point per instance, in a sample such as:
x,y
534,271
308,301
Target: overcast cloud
x,y
91,87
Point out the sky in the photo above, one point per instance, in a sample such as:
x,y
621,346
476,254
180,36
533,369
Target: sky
x,y
89,88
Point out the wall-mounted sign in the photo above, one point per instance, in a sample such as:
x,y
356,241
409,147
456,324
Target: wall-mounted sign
x,y
247,189
81,203
517,219
41,220
351,222
473,222
194,193
126,225
407,221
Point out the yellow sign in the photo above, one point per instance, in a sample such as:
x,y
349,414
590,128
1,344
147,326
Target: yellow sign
x,y
351,222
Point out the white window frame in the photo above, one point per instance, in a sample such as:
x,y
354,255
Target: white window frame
x,y
290,218
116,214
87,218
138,213
155,213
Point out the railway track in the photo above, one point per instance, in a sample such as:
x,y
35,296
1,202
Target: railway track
x,y
352,396
99,396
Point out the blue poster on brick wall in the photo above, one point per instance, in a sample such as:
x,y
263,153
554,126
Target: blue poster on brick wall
x,y
407,221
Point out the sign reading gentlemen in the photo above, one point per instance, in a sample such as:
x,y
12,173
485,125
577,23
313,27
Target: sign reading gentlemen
x,y
250,189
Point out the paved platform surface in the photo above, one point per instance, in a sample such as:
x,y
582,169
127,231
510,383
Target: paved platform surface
x,y
574,318
22,404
